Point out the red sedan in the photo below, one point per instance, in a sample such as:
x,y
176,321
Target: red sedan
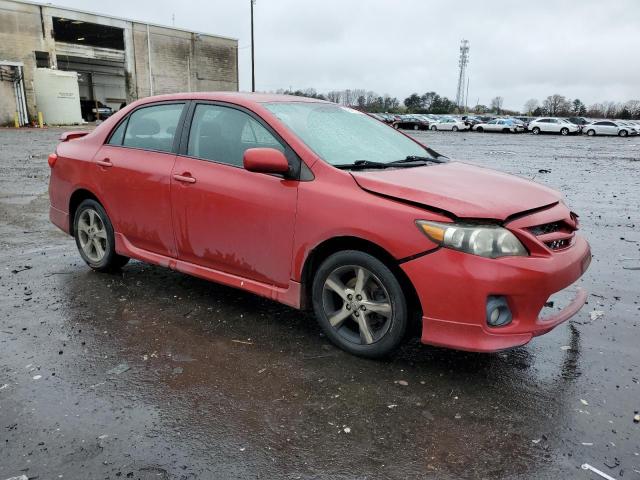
x,y
319,206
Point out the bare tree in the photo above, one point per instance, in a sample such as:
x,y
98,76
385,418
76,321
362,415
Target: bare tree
x,y
530,105
496,104
334,96
556,105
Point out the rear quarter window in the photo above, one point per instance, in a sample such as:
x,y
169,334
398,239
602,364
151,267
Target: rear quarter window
x,y
153,128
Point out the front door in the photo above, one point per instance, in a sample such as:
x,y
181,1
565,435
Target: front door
x,y
133,172
225,217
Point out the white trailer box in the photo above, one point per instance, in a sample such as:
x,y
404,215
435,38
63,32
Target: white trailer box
x,y
57,96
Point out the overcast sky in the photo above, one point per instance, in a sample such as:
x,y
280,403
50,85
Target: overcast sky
x,y
587,49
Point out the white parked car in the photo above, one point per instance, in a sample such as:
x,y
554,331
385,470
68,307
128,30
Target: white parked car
x,y
505,125
452,124
609,127
553,125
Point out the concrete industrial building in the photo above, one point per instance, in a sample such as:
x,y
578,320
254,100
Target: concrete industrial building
x,y
116,60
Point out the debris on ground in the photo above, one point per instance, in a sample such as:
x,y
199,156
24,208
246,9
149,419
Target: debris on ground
x,y
596,314
544,170
586,466
403,383
636,417
346,430
584,402
21,269
119,369
21,477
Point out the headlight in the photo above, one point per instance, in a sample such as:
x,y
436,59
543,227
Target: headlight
x,y
489,241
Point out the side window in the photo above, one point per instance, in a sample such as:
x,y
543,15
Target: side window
x,y
222,134
600,123
118,135
153,128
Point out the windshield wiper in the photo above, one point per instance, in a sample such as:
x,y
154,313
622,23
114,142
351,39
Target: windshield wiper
x,y
361,164
407,162
416,160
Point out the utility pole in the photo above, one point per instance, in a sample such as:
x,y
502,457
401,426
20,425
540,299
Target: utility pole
x,y
462,63
253,71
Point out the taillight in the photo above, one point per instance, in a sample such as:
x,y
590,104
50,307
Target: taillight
x,y
52,159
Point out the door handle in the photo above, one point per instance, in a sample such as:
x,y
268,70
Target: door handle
x,y
186,178
105,162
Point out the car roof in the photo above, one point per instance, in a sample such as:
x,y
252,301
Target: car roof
x,y
240,98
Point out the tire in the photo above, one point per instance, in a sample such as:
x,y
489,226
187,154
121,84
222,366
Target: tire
x,y
506,130
434,128
395,125
564,131
591,133
416,127
91,117
623,133
536,130
454,129
480,129
348,319
95,239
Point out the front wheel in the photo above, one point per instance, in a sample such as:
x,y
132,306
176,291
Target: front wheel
x,y
434,128
95,239
536,131
359,304
591,133
623,133
454,129
480,129
416,127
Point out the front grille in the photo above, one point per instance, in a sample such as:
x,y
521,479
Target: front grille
x,y
555,235
546,228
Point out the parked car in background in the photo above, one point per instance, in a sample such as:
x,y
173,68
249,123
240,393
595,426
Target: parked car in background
x,y
608,127
505,125
411,122
448,123
257,201
471,121
90,113
580,121
553,125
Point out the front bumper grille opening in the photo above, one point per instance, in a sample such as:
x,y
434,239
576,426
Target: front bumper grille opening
x,y
559,244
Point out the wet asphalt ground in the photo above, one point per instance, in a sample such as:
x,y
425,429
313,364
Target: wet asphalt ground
x,y
151,374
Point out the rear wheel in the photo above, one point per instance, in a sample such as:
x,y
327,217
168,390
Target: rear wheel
x,y
396,126
536,130
454,129
564,131
360,304
480,129
591,132
95,238
623,133
434,128
416,127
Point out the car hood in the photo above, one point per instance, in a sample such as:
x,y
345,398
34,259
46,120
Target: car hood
x,y
460,189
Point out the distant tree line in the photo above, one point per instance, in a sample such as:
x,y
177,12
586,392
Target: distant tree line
x,y
431,102
365,100
559,105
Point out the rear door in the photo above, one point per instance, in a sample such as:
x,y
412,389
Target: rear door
x,y
133,172
225,217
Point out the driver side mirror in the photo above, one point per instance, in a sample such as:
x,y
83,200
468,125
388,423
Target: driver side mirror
x,y
265,160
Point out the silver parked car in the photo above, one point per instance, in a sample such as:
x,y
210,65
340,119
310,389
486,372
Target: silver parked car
x,y
553,125
608,127
505,125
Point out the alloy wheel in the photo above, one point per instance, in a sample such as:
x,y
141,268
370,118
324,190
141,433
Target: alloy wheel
x,y
357,304
92,235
